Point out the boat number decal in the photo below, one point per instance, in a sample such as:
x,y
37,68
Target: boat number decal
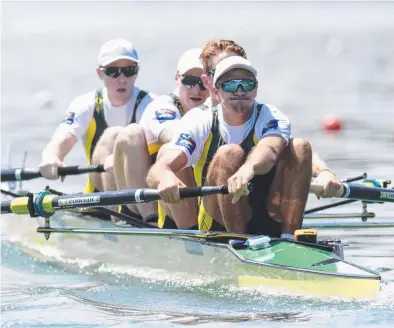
x,y
79,200
193,247
386,195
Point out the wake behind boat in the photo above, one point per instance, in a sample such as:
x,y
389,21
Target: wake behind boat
x,y
304,266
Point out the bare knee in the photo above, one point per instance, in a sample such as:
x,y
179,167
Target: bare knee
x,y
133,134
297,151
229,155
302,147
227,160
112,132
108,137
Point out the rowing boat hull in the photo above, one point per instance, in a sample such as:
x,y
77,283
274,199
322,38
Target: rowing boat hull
x,y
285,266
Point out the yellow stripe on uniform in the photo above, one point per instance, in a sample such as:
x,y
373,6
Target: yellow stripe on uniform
x,y
255,140
161,215
154,148
88,143
204,219
198,168
91,131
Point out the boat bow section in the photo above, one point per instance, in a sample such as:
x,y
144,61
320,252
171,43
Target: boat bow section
x,y
306,268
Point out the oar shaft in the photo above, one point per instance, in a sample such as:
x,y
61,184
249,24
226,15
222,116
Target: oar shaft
x,y
359,192
127,197
20,174
45,203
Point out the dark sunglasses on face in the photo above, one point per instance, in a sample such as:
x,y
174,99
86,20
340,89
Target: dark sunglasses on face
x,y
191,81
115,72
211,72
233,85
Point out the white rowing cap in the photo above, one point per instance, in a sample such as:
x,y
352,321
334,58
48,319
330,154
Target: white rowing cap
x,y
189,60
230,63
116,49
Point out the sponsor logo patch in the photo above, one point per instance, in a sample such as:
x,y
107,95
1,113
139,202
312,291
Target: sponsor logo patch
x,y
69,119
186,140
273,124
386,195
79,200
163,115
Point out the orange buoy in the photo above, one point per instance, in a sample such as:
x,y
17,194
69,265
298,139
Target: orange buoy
x,y
332,123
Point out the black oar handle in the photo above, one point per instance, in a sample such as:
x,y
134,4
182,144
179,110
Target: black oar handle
x,y
149,195
202,191
20,174
80,169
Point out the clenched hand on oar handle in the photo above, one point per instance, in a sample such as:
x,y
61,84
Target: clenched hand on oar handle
x,y
318,190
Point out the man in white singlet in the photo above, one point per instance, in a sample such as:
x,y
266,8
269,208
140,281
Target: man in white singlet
x,y
136,146
98,116
285,198
234,143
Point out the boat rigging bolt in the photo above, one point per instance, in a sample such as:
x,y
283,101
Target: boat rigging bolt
x,y
365,211
48,226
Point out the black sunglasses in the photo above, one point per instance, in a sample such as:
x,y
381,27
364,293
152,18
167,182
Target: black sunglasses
x,y
211,72
115,72
191,81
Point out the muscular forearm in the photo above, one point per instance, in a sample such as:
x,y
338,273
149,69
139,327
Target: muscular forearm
x,y
59,147
157,173
167,164
265,154
262,158
317,164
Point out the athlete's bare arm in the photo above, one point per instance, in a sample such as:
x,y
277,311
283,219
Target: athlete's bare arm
x,y
54,153
60,145
265,154
317,164
168,163
162,175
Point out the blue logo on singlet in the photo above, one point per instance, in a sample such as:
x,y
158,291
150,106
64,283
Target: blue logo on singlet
x,y
163,115
273,124
186,140
69,119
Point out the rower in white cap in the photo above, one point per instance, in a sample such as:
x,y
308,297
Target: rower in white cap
x,y
236,143
136,146
98,116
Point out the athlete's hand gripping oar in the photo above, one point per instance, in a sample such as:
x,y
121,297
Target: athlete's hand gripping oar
x,y
19,174
359,192
45,204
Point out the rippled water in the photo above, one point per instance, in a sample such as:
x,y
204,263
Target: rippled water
x,y
313,59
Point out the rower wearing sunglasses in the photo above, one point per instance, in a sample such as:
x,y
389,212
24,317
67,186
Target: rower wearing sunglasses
x,y
285,198
236,143
157,125
98,116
